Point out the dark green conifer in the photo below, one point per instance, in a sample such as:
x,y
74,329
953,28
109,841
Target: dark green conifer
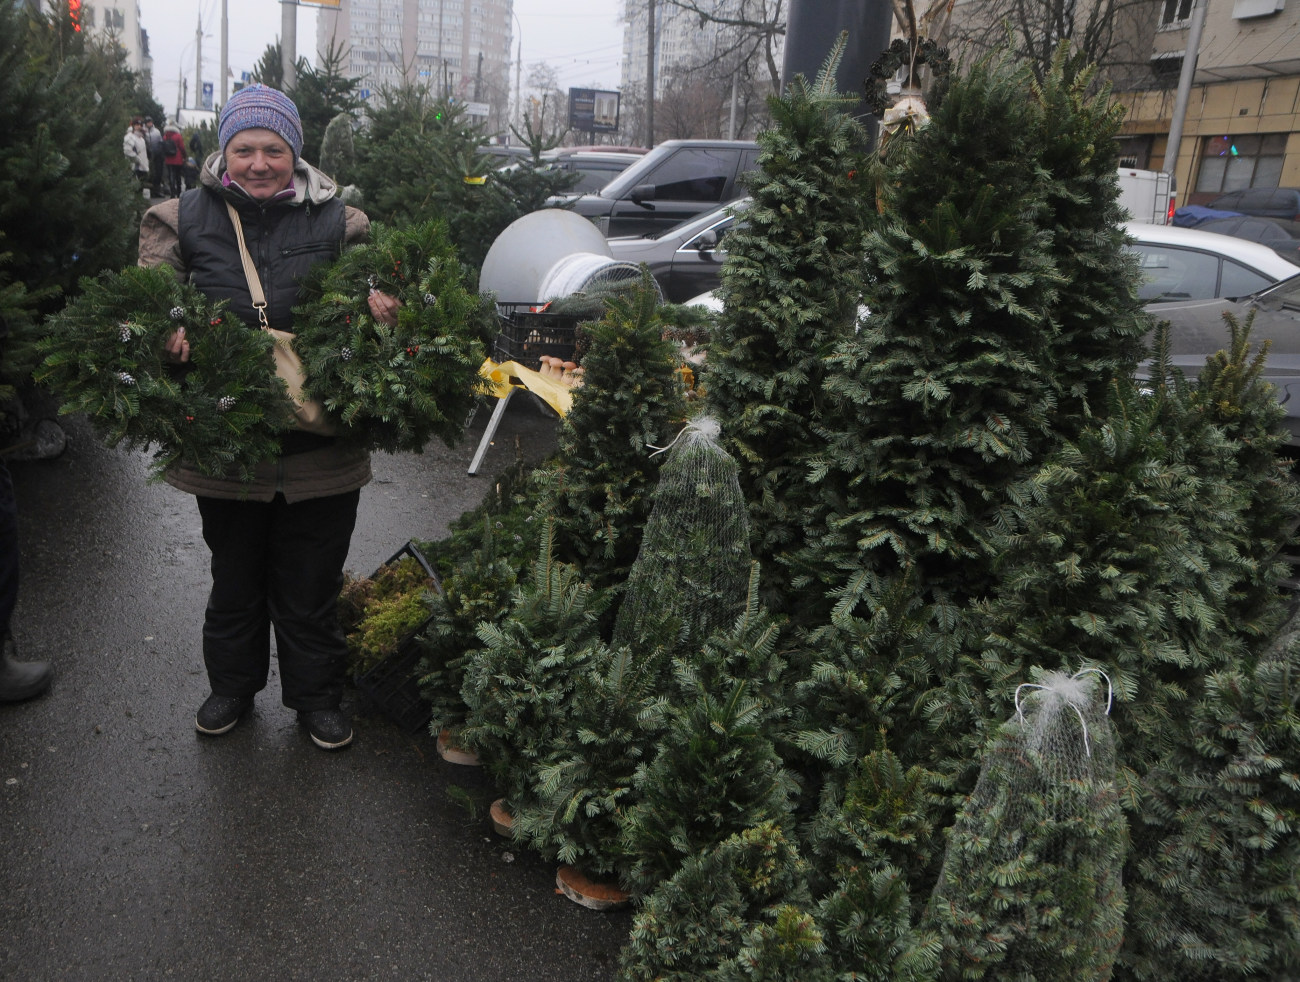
x,y
792,287
700,924
602,480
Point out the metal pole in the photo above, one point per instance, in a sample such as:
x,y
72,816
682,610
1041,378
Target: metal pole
x,y
1183,95
650,74
812,26
289,42
225,52
731,125
198,65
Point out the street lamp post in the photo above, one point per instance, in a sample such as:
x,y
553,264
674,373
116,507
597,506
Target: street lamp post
x,y
519,68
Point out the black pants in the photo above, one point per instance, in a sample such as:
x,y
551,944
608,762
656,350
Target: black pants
x,y
277,565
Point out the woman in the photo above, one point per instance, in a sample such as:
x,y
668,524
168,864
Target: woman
x,y
278,542
173,158
136,151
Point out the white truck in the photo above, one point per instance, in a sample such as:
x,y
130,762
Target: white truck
x,y
1145,195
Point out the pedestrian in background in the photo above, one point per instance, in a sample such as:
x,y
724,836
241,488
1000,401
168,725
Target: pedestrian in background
x,y
174,158
153,138
136,150
19,680
279,541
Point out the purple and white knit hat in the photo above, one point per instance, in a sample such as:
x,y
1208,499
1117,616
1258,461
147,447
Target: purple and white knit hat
x,y
259,106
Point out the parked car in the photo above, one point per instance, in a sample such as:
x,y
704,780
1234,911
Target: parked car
x,y
675,181
1190,264
1197,330
1280,235
503,156
1267,202
595,168
686,259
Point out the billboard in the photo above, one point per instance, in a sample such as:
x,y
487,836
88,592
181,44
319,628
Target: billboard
x,y
593,111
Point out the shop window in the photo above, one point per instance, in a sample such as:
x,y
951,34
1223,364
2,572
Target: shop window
x,y
1247,160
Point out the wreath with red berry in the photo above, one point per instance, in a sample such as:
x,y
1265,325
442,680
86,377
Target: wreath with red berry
x,y
395,387
222,412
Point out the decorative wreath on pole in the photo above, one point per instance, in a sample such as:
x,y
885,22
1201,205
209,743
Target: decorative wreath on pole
x,y
912,55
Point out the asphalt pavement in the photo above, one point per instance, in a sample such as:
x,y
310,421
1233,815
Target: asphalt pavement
x,y
134,849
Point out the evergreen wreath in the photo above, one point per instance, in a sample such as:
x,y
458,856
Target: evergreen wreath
x,y
900,53
394,388
221,412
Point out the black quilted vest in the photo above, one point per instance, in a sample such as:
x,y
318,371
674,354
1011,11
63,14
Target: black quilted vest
x,y
284,240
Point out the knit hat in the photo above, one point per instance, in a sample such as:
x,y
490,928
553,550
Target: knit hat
x,y
261,107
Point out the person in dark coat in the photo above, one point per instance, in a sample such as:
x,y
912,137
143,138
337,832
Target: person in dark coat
x,y
278,541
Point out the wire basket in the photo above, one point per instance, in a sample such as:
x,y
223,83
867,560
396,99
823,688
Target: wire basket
x,y
391,686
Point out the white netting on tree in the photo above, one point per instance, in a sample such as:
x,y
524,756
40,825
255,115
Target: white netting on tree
x,y
1030,887
692,573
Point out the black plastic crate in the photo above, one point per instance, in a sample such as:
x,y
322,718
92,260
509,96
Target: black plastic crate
x,y
391,686
526,334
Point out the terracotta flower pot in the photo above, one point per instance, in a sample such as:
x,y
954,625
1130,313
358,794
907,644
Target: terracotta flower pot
x,y
503,823
579,889
453,754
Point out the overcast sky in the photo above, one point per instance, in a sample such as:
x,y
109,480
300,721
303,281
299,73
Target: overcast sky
x,y
581,39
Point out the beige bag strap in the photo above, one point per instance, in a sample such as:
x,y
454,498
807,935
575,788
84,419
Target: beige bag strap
x,y
250,271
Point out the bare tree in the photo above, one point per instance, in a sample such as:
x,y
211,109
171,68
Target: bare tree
x,y
1114,34
753,30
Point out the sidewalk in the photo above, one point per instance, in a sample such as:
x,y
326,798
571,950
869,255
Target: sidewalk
x,y
135,849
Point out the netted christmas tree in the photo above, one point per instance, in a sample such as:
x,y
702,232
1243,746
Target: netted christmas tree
x,y
1031,884
792,289
601,482
691,576
1131,553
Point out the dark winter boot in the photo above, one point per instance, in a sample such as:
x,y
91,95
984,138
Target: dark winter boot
x,y
21,680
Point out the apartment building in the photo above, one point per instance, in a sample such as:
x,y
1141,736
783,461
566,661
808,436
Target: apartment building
x,y
458,47
1242,125
120,22
681,39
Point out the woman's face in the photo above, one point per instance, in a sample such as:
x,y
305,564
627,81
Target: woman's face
x,y
260,162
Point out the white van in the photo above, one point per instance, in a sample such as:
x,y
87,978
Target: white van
x,y
1144,194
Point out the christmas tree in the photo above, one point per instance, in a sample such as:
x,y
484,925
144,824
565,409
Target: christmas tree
x,y
792,290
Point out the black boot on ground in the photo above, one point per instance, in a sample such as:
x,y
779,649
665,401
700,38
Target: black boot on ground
x,y
21,680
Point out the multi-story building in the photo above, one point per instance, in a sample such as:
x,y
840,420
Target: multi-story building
x,y
733,63
1242,124
118,20
1241,127
682,40
460,48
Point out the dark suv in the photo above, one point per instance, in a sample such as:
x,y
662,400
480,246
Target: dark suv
x,y
1264,202
675,181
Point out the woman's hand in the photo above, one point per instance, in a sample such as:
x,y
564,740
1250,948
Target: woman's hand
x,y
384,307
177,348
